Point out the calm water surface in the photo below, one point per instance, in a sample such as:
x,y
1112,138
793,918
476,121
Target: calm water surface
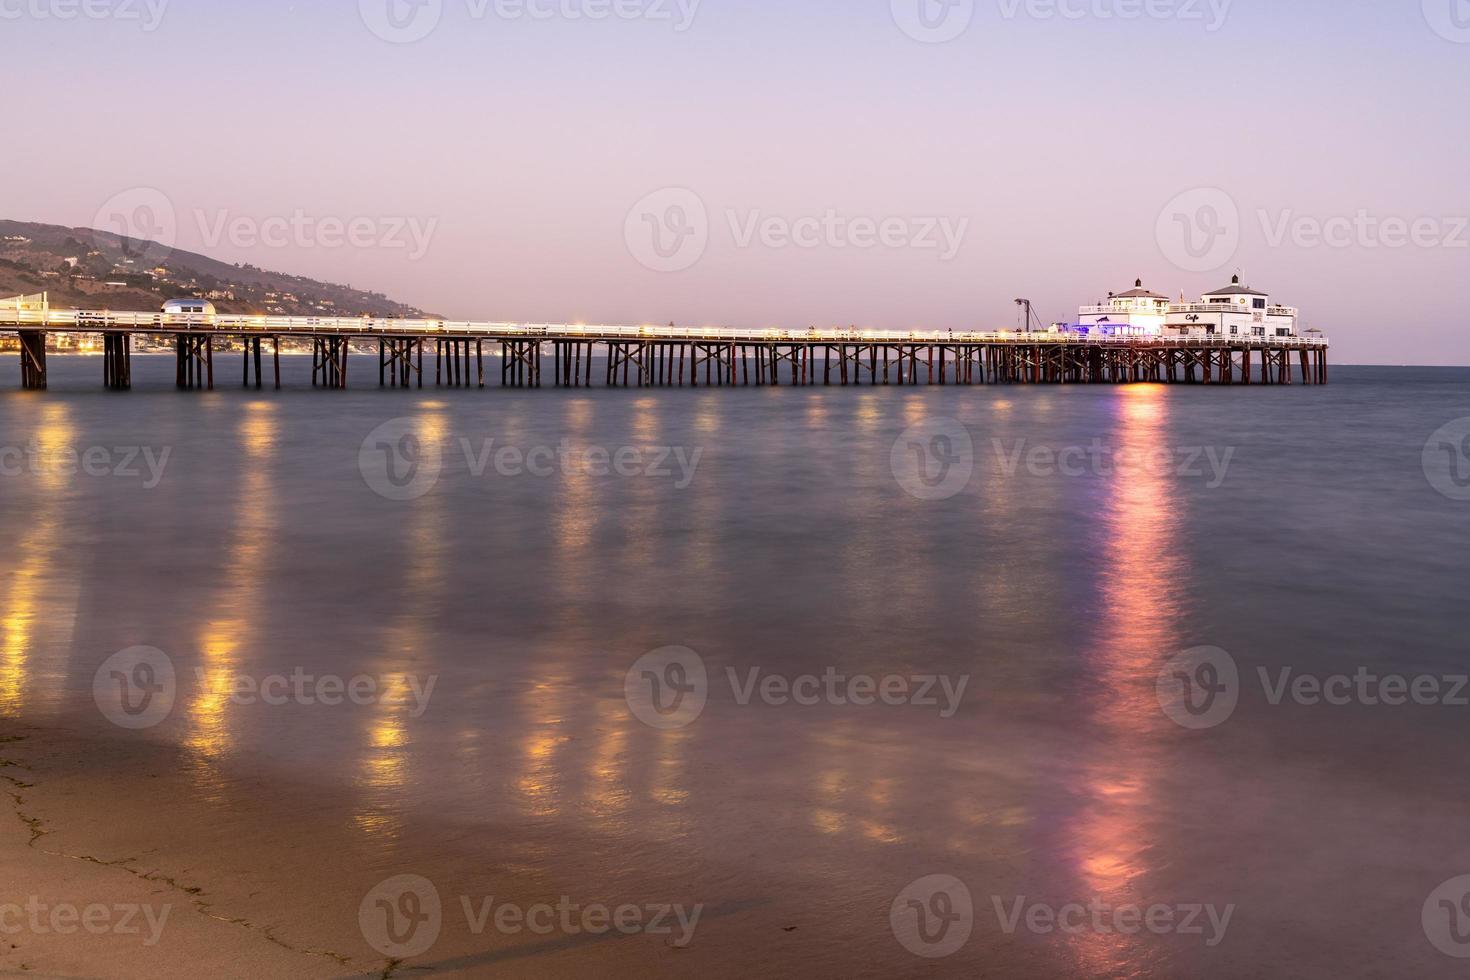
x,y
793,549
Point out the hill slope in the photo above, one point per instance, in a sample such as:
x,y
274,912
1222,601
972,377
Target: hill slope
x,y
82,268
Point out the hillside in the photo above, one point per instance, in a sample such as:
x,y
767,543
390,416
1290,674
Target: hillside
x,y
86,269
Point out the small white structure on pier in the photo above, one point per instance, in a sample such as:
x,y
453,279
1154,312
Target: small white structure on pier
x,y
1136,313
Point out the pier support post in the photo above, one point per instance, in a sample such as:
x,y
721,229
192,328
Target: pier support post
x,y
117,361
194,361
33,360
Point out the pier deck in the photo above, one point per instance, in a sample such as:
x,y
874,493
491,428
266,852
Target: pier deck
x,y
666,356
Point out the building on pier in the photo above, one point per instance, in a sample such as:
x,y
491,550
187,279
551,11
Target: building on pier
x,y
1234,311
1137,313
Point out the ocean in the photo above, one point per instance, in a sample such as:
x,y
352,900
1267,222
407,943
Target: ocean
x,y
1144,681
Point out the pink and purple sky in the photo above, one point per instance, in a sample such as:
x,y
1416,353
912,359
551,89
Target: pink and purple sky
x,y
886,163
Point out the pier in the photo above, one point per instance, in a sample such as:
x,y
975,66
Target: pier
x,y
581,356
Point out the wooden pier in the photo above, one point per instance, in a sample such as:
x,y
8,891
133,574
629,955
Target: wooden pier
x,y
668,357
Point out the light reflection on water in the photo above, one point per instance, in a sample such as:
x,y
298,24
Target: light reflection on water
x,y
35,600
227,632
1141,580
386,769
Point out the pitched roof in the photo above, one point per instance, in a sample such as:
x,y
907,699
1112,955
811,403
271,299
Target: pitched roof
x,y
1138,292
1236,289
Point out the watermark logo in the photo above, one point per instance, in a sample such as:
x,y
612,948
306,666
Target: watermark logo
x,y
135,688
397,463
668,688
673,920
1212,13
668,231
933,917
401,917
934,460
145,922
1447,460
411,691
933,21
400,233
1446,918
144,464
1100,917
1450,19
940,234
401,21
1207,463
1363,229
147,13
1199,230
674,463
1199,688
145,220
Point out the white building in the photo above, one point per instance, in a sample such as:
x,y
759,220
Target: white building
x,y
1136,313
1234,311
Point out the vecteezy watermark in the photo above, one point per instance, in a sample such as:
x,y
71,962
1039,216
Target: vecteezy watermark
x,y
669,689
677,464
1201,688
142,463
933,917
37,918
1208,463
410,235
1446,917
670,231
1199,230
147,14
833,230
144,220
1098,916
933,21
1363,229
934,459
1447,459
1211,13
1450,19
407,21
135,688
403,917
398,464
328,690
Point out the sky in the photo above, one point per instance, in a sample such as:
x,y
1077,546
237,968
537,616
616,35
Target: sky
x,y
880,163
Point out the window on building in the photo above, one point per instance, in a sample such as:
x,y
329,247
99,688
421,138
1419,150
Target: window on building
x,y
1260,303
1234,331
1258,331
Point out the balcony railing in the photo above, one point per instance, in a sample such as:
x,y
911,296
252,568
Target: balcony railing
x,y
1230,308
